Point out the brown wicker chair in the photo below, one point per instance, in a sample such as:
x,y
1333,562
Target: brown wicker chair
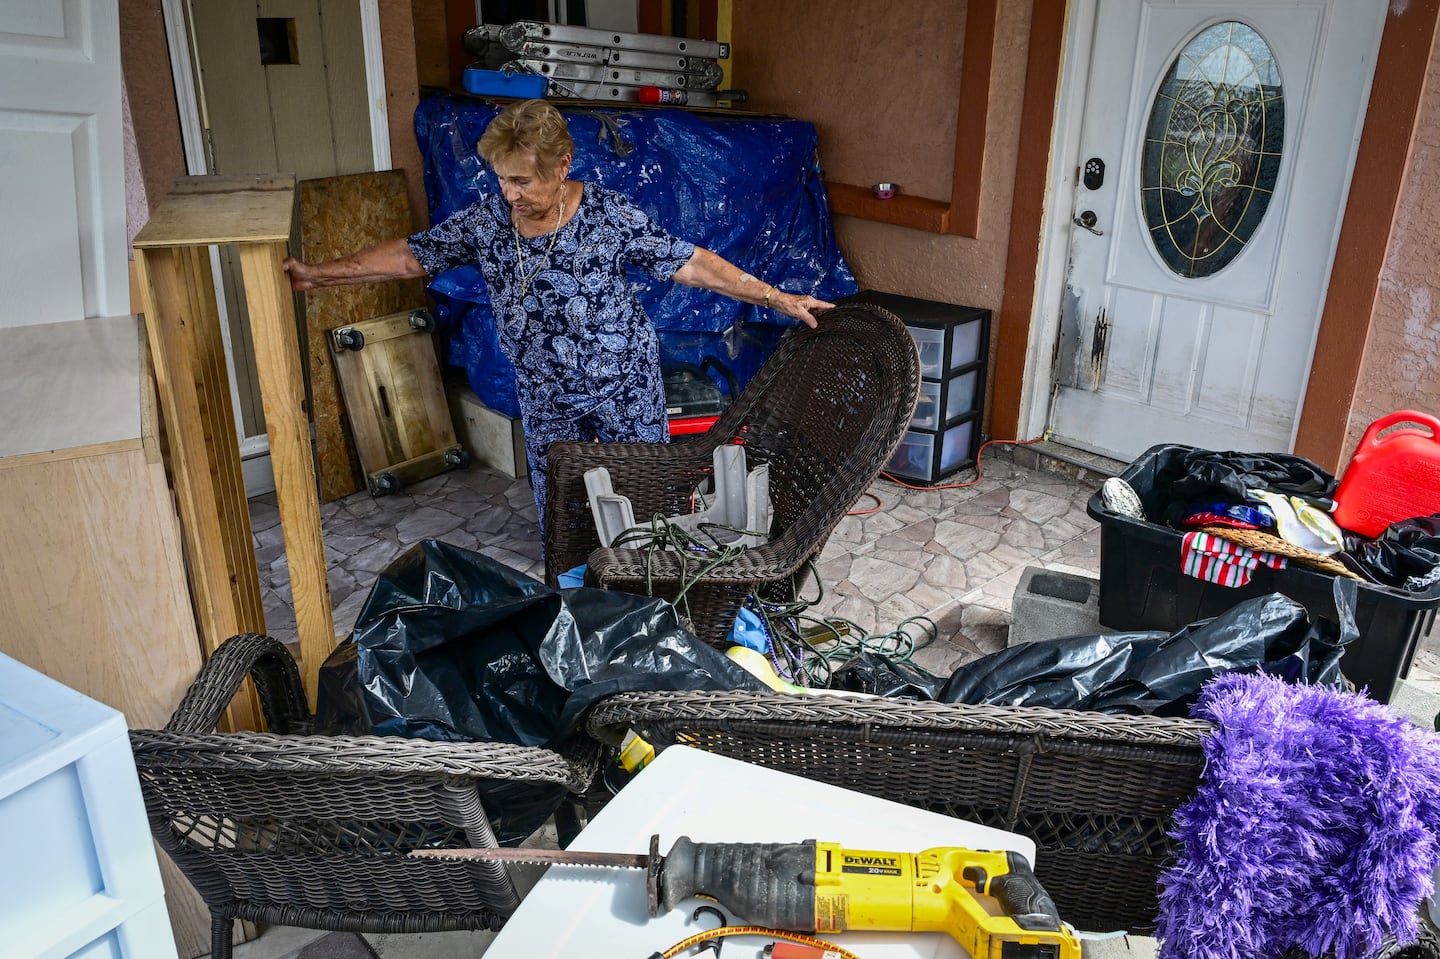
x,y
826,411
313,831
1094,791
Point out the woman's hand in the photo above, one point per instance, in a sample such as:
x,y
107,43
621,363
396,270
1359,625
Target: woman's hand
x,y
802,307
302,275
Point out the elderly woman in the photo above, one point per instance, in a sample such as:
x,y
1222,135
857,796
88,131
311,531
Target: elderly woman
x,y
553,252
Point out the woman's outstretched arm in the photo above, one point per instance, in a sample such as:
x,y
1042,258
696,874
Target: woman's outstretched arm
x,y
387,260
710,271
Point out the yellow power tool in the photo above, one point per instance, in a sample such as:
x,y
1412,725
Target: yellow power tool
x,y
990,902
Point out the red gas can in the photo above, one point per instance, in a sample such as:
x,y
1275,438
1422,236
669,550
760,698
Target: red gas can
x,y
1391,477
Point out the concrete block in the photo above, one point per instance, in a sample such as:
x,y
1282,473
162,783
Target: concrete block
x,y
1051,604
1418,699
492,439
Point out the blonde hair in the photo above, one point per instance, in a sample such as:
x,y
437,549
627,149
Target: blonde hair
x,y
531,127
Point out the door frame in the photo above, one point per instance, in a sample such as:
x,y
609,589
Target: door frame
x,y
1055,226
1034,271
255,450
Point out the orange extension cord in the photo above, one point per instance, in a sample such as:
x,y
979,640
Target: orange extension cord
x,y
978,474
799,937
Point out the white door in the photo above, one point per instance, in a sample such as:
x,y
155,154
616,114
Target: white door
x,y
62,192
1215,154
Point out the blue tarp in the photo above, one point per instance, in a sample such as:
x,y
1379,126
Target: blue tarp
x,y
746,187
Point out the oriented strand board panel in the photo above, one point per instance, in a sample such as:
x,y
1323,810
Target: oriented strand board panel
x,y
339,215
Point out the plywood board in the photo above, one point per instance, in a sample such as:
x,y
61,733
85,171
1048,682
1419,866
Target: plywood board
x,y
395,397
95,597
338,216
193,387
64,385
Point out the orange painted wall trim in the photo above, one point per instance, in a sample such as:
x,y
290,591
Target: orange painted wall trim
x,y
972,120
1375,188
960,216
1027,211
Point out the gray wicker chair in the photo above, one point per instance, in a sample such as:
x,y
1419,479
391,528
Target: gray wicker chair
x,y
1094,791
313,831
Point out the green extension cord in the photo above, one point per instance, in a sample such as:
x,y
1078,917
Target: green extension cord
x,y
805,656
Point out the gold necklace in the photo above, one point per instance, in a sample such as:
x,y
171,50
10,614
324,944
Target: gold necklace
x,y
525,281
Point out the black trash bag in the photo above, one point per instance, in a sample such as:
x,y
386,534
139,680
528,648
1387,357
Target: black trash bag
x,y
1204,475
454,646
1406,555
1152,672
875,674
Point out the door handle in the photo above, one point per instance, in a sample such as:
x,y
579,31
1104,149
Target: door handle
x,y
1087,220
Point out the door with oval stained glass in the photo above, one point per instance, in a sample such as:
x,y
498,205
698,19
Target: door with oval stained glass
x,y
1202,238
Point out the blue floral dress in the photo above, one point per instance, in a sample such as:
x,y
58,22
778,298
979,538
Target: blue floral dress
x,y
585,353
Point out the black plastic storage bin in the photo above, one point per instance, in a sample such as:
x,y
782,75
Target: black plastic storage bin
x,y
954,347
1142,587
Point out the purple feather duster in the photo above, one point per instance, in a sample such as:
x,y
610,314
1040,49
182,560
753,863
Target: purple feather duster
x,y
1316,825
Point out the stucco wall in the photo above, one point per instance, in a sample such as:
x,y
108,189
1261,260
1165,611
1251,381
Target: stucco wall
x,y
145,66
1401,369
882,90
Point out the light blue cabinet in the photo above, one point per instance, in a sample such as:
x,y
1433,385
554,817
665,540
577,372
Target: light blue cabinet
x,y
80,877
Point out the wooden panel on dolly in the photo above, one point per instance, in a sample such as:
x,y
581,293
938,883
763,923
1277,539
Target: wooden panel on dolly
x,y
338,216
390,378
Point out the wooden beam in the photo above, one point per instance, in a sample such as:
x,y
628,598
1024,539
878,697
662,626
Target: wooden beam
x,y
649,16
287,423
1375,189
708,21
916,213
1027,212
193,384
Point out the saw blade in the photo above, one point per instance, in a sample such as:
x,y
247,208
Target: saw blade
x,y
650,862
543,857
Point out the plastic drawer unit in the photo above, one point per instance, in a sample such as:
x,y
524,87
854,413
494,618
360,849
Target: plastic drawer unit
x,y
1142,586
80,876
954,347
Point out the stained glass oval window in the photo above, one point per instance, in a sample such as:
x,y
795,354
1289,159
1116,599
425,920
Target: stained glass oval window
x,y
1212,149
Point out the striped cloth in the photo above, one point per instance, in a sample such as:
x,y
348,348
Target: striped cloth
x,y
1220,561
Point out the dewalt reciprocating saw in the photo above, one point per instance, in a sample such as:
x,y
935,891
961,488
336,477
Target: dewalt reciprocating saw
x,y
990,902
